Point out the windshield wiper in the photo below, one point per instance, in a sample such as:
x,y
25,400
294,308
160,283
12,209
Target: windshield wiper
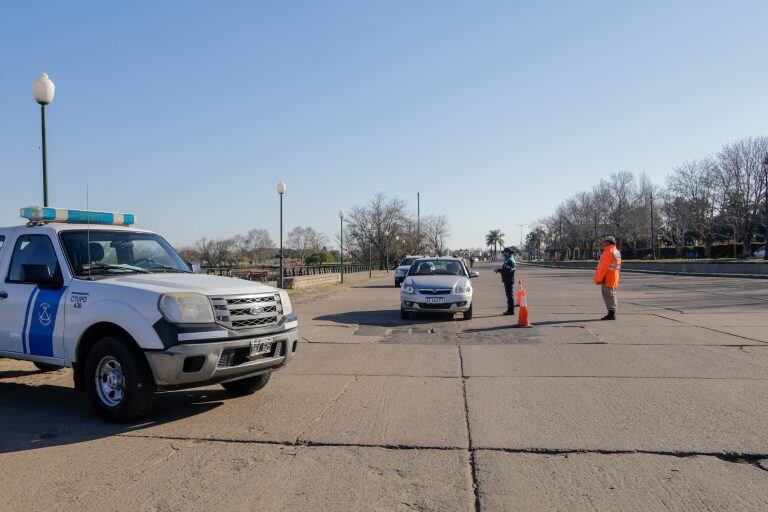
x,y
168,268
122,267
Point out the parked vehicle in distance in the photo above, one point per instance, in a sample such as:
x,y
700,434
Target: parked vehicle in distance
x,y
120,306
437,285
760,253
402,269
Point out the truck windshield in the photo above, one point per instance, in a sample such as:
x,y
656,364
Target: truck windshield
x,y
101,253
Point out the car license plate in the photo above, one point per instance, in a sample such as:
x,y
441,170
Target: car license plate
x,y
434,300
260,346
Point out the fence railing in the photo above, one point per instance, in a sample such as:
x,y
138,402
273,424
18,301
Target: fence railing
x,y
272,272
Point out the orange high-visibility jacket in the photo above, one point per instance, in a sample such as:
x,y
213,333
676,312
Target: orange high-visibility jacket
x,y
607,272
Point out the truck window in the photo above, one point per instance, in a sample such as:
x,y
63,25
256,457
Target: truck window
x,y
32,250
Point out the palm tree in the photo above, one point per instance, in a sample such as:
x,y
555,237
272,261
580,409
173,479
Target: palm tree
x,y
494,238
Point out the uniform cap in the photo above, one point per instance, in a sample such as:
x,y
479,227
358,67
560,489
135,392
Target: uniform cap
x,y
507,250
610,239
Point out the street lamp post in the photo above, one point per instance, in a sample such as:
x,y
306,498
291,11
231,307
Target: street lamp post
x,y
370,251
386,251
653,231
281,188
341,242
765,232
43,90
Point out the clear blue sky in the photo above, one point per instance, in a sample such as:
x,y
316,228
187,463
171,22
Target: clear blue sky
x,y
188,113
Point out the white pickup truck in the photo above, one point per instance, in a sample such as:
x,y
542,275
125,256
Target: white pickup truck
x,y
120,306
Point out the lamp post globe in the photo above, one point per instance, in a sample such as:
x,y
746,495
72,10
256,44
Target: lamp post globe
x,y
281,188
43,90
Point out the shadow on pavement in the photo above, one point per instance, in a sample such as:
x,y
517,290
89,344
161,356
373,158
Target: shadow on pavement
x,y
535,324
39,416
384,318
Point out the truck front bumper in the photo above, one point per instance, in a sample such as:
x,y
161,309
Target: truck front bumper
x,y
211,362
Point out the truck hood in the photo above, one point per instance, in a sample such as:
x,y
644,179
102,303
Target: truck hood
x,y
200,283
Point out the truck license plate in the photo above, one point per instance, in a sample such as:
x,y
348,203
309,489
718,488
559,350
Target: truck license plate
x,y
260,346
434,300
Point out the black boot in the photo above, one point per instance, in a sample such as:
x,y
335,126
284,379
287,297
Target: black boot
x,y
610,316
509,312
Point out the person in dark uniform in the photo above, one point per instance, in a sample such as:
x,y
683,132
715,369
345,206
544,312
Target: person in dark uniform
x,y
507,272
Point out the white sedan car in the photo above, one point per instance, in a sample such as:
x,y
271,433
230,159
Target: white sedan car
x,y
437,285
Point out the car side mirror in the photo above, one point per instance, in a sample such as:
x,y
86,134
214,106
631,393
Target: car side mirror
x,y
473,275
41,276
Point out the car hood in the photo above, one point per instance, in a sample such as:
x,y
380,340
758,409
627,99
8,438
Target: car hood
x,y
435,281
200,283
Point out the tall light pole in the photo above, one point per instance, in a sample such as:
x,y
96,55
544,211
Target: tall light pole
x,y
418,221
765,232
521,239
281,188
386,251
43,90
653,232
369,228
341,241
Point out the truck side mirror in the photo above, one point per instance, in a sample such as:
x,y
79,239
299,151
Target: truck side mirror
x,y
41,276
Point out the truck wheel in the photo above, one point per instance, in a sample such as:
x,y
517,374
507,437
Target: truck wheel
x,y
46,367
247,386
118,380
468,313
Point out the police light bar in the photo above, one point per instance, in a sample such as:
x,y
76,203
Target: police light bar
x,y
43,214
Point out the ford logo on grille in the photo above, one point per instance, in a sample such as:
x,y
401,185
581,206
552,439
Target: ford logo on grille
x,y
256,310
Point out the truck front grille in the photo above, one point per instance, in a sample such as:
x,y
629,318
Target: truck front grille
x,y
248,311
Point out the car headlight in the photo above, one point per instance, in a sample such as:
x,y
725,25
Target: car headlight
x,y
186,308
286,302
408,288
400,272
461,289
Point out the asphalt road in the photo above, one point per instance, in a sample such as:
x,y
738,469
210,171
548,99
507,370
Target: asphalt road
x,y
665,408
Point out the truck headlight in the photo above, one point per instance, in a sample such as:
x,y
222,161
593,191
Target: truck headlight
x,y
285,300
186,308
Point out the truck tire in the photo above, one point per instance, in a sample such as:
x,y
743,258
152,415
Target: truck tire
x,y
247,386
118,380
468,313
43,367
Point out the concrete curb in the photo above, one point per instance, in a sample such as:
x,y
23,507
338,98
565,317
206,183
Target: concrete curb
x,y
658,272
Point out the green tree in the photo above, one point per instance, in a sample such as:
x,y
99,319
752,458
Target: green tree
x,y
495,239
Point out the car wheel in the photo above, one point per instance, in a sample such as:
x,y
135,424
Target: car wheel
x,y
246,386
468,313
404,315
118,380
397,283
43,367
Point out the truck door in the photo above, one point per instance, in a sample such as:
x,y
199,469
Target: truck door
x,y
31,318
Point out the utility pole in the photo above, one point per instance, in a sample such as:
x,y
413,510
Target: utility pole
x,y
418,220
765,231
521,238
653,234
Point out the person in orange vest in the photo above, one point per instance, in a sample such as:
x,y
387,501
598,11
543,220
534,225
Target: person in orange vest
x,y
607,276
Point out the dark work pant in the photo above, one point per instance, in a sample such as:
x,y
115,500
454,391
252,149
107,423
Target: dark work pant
x,y
509,289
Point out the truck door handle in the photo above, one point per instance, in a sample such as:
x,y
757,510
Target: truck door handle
x,y
3,295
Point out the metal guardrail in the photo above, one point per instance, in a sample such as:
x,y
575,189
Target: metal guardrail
x,y
272,272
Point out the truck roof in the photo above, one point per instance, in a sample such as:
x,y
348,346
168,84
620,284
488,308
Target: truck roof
x,y
62,226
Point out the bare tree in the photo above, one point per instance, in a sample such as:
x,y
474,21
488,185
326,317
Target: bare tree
x,y
436,231
259,244
303,239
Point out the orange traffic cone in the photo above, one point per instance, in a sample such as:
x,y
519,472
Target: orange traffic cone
x,y
522,317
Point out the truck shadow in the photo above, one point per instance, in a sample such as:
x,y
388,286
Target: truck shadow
x,y
385,318
39,416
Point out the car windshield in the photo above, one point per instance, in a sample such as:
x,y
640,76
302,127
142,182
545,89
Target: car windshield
x,y
406,262
103,253
437,268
